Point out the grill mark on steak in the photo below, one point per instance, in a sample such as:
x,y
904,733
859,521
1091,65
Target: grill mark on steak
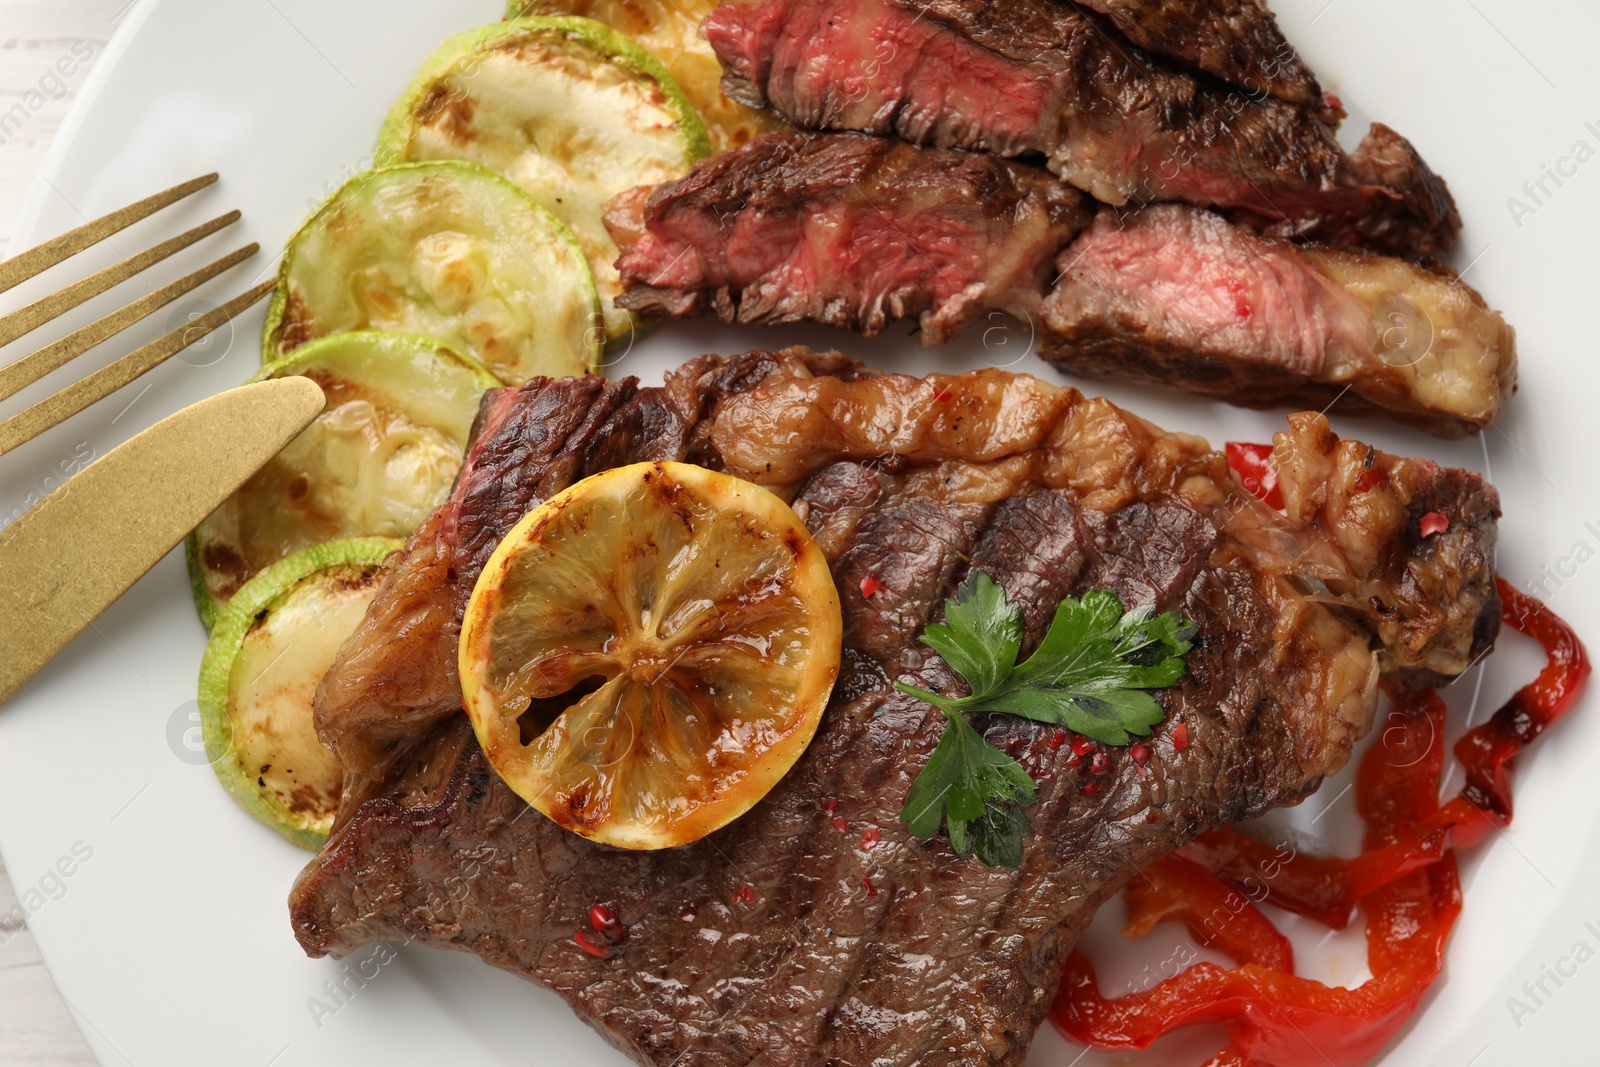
x,y
849,230
1236,41
1041,78
899,952
852,231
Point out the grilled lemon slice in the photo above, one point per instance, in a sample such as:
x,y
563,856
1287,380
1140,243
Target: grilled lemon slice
x,y
443,249
648,652
670,31
269,650
379,458
570,111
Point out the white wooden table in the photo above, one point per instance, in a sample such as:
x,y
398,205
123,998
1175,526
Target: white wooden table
x,y
39,40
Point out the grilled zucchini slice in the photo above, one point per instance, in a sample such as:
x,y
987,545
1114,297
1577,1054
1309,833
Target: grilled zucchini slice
x,y
449,250
670,31
379,458
261,667
572,112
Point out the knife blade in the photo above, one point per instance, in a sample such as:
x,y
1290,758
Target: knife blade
x,y
80,548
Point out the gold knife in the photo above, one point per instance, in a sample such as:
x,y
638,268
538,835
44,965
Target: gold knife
x,y
67,558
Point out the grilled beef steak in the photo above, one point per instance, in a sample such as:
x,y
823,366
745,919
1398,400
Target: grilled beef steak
x,y
1176,296
1044,78
853,231
1236,41
815,929
849,230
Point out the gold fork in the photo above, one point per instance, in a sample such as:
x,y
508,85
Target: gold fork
x,y
65,559
34,420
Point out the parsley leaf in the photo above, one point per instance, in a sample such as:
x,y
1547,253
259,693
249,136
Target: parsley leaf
x,y
973,788
983,633
997,834
1091,673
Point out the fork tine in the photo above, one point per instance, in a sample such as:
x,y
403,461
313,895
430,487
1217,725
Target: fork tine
x,y
30,368
36,314
28,424
25,265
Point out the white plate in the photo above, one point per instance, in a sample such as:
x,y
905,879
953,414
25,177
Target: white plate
x,y
169,938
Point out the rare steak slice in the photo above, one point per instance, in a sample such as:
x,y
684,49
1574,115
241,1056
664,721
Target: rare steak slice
x,y
1043,78
846,229
815,929
854,231
1175,296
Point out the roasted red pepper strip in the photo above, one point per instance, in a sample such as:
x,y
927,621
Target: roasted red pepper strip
x,y
1320,887
1217,915
1486,752
1405,883
1276,1017
1327,889
1280,1018
1253,465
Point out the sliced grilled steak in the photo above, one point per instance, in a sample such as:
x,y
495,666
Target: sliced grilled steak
x,y
1237,41
849,230
815,930
1043,78
853,231
1176,296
